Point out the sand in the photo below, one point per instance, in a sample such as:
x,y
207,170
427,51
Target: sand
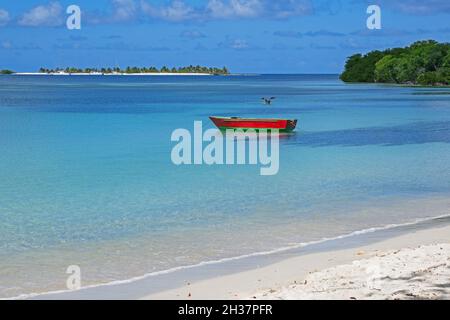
x,y
410,266
109,74
419,273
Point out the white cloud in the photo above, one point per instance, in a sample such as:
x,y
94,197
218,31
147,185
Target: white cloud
x,y
44,15
4,17
218,9
52,14
234,8
177,10
423,7
124,10
414,7
289,8
256,8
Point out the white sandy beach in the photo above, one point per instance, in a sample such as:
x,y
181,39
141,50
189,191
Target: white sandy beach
x,y
109,74
418,273
411,266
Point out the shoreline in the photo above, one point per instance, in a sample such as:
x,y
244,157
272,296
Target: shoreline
x,y
401,85
109,74
247,276
302,277
421,272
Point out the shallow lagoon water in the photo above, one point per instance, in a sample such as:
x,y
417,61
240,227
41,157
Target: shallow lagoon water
x,y
86,176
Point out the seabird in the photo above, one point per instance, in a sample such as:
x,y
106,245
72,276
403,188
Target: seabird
x,y
268,100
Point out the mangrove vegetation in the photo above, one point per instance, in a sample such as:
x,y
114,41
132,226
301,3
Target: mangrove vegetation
x,y
422,63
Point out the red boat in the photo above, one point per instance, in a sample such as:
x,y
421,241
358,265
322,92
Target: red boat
x,y
283,125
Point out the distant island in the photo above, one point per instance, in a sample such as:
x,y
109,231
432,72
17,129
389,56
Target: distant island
x,y
139,70
190,70
422,63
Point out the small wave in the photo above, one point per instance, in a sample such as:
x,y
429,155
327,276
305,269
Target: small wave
x,y
218,261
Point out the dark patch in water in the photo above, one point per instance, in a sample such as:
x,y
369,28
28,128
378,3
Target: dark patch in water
x,y
431,93
412,133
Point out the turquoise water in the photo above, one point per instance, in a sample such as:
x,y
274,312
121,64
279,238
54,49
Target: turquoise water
x,y
86,176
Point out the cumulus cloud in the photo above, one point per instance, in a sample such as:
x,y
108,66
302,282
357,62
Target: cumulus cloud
x,y
415,7
182,11
177,10
119,11
289,8
234,8
257,8
44,15
422,7
52,13
124,10
331,7
4,17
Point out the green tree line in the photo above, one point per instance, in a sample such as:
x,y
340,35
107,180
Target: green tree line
x,y
423,63
5,71
164,69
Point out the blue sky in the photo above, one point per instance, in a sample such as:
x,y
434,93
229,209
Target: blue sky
x,y
262,36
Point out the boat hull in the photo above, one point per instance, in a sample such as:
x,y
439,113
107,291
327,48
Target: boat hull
x,y
283,125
